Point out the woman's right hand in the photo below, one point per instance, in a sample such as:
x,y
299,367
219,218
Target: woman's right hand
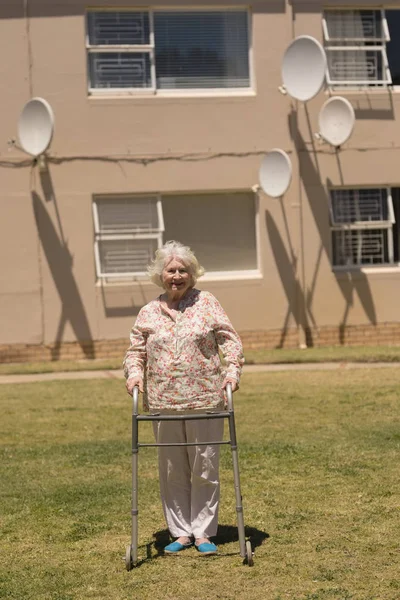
x,y
131,383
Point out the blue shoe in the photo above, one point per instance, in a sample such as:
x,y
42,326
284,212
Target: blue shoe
x,y
207,548
175,547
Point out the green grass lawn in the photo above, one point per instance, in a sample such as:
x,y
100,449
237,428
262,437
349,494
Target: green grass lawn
x,y
319,459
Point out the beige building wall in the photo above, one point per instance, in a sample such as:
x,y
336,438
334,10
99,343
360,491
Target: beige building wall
x,y
49,292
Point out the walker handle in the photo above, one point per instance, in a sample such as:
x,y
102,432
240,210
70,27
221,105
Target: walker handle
x,y
135,397
229,396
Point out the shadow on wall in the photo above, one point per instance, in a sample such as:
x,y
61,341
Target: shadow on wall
x,y
113,306
17,9
305,6
121,304
370,106
271,6
353,281
48,191
60,262
287,268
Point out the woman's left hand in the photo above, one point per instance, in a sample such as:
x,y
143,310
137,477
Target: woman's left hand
x,y
233,383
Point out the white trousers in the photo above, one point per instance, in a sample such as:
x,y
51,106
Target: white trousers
x,y
189,476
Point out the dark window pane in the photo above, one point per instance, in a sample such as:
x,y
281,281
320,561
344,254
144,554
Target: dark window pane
x,y
396,226
199,49
393,47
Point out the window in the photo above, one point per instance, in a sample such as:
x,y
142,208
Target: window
x,y
126,234
159,50
356,47
365,226
220,227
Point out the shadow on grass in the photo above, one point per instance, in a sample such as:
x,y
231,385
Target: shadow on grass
x,y
226,535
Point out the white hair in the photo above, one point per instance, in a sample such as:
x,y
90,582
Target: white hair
x,y
170,250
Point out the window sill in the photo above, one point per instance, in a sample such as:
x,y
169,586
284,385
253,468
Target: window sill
x,y
343,272
231,276
117,96
361,89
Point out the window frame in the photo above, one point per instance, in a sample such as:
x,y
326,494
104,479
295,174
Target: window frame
x,y
365,226
126,278
330,46
150,48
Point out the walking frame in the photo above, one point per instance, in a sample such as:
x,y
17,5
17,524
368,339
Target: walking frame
x,y
131,556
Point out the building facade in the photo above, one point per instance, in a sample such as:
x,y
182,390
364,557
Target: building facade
x,y
162,116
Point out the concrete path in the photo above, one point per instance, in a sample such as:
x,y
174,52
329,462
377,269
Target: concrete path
x,y
327,366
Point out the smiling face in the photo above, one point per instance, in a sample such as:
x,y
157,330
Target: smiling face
x,y
176,277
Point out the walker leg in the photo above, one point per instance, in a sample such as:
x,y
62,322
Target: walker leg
x,y
131,555
245,546
236,477
135,511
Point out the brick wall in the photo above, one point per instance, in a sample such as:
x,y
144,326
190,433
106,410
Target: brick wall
x,y
356,335
63,351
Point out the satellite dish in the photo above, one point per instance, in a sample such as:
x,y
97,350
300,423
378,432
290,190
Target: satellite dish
x,y
304,68
35,126
275,173
336,120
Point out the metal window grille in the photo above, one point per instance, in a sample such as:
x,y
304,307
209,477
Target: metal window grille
x,y
128,230
120,70
362,226
120,49
355,45
127,28
360,248
168,49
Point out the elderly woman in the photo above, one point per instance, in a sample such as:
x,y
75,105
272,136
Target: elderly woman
x,y
174,360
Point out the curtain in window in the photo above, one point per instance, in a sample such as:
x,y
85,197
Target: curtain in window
x,y
219,227
354,27
128,214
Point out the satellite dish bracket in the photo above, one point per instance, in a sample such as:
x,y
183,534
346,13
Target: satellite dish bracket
x,y
41,162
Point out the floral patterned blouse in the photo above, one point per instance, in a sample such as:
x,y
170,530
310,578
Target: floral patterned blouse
x,y
178,354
